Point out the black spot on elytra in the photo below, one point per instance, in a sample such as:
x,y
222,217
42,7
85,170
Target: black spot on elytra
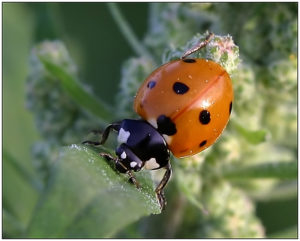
x,y
202,143
151,84
180,88
230,107
189,60
204,117
165,125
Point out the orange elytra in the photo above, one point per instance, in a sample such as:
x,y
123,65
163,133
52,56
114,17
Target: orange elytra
x,y
195,95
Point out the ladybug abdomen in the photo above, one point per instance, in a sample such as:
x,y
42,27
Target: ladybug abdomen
x,y
188,101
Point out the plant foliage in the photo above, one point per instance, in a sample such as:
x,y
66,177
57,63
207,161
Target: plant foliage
x,y
213,194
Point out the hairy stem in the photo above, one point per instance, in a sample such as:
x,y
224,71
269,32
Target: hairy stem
x,y
282,170
128,32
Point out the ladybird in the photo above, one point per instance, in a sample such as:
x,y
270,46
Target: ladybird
x,y
184,107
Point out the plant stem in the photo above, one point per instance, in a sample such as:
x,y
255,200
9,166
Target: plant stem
x,y
287,190
78,93
282,170
287,233
176,217
128,32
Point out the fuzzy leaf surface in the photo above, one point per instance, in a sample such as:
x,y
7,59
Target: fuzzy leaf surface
x,y
87,198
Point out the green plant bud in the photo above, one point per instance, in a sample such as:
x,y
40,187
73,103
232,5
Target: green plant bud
x,y
44,155
56,115
223,50
134,72
243,81
194,162
172,52
231,148
283,32
231,213
220,49
174,24
263,37
250,114
189,182
284,132
282,75
249,102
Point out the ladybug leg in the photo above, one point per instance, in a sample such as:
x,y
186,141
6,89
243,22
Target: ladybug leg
x,y
116,160
105,134
159,189
95,143
132,179
198,46
108,156
113,126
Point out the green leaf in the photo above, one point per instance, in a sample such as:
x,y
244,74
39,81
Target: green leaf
x,y
89,199
254,137
22,172
282,170
19,196
77,92
12,227
289,233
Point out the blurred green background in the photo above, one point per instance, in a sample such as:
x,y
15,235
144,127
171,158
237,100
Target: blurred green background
x,y
98,48
95,43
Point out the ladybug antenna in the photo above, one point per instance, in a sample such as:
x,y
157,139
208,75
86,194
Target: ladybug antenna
x,y
198,46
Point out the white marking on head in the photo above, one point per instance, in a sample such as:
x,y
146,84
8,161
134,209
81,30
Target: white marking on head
x,y
133,164
123,155
167,138
151,164
153,122
123,136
